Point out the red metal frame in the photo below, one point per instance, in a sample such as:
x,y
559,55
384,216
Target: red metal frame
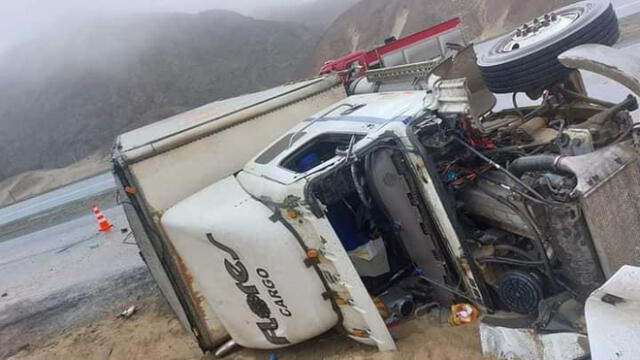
x,y
371,57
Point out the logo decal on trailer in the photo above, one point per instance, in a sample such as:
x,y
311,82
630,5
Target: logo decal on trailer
x,y
257,305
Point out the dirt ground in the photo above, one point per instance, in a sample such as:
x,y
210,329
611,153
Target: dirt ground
x,y
153,332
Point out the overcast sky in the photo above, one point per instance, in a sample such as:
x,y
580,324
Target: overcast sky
x,y
22,19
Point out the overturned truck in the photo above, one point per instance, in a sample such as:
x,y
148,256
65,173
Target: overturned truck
x,y
354,200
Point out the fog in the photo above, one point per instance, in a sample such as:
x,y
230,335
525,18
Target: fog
x,y
21,20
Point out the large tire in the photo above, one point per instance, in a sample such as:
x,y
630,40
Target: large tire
x,y
529,63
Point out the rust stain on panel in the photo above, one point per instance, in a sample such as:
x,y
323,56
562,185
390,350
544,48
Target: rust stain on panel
x,y
197,297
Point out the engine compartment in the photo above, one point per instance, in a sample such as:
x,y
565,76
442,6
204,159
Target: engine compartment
x,y
514,197
517,200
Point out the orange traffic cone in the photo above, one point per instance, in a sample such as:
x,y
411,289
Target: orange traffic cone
x,y
103,223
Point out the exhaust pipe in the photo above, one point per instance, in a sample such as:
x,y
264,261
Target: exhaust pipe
x,y
226,349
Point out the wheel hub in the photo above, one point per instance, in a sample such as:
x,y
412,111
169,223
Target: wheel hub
x,y
541,28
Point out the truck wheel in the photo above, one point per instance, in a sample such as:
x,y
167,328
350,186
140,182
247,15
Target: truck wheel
x,y
526,59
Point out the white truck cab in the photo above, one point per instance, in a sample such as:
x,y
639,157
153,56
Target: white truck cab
x,y
278,249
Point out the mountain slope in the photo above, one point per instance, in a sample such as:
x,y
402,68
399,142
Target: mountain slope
x,y
318,14
67,96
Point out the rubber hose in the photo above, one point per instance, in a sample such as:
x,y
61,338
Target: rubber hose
x,y
538,163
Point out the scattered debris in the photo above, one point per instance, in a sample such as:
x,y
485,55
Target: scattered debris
x,y
127,313
4,294
463,314
128,239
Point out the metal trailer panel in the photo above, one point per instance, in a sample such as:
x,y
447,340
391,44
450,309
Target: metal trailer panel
x,y
154,263
188,152
410,40
163,266
198,117
426,49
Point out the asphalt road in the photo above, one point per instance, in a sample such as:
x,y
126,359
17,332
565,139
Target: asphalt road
x,y
65,275
38,264
53,199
